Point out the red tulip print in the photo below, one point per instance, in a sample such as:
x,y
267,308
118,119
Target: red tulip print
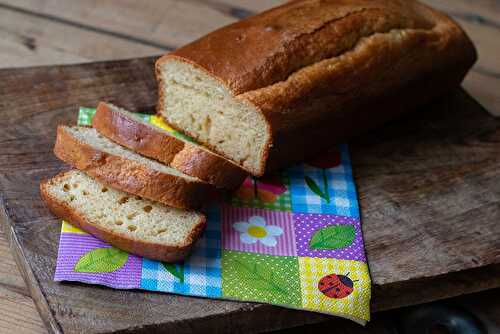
x,y
329,160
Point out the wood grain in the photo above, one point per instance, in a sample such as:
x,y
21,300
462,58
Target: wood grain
x,y
166,24
19,314
16,306
481,20
418,198
20,35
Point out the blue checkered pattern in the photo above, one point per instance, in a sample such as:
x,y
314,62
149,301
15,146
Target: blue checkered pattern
x,y
343,198
202,270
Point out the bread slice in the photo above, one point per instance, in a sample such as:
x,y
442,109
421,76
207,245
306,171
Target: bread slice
x,y
200,106
284,85
136,225
87,150
138,135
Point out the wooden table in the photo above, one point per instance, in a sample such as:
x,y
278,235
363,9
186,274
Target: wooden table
x,y
35,32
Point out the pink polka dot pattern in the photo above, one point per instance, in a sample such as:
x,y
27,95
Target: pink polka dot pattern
x,y
306,224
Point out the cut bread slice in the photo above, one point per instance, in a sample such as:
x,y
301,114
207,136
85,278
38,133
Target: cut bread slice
x,y
127,222
138,135
197,104
87,150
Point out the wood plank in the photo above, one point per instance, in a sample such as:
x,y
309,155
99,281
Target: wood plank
x,y
485,88
19,314
26,40
481,20
10,277
417,198
168,23
481,10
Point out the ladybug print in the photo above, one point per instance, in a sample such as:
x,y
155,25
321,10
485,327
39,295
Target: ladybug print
x,y
336,286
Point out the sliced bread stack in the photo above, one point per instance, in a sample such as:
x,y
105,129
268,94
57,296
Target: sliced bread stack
x,y
132,223
135,185
131,131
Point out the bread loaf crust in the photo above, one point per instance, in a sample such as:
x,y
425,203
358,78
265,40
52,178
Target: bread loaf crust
x,y
155,251
183,156
131,176
311,67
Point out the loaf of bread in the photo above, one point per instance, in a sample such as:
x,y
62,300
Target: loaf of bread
x,y
128,222
85,149
284,85
135,134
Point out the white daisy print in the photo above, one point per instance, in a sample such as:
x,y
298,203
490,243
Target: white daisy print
x,y
256,230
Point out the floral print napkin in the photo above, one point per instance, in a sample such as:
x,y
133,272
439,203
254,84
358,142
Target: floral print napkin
x,y
291,239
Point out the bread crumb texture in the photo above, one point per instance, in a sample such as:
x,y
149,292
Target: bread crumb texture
x,y
121,213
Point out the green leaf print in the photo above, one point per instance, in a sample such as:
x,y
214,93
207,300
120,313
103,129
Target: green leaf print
x,y
315,188
101,260
333,237
177,270
261,277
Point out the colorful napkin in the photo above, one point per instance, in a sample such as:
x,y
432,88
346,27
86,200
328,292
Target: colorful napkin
x,y
291,239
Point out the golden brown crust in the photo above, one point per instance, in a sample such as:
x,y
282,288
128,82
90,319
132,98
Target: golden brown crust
x,y
307,64
131,176
155,251
184,156
208,167
272,45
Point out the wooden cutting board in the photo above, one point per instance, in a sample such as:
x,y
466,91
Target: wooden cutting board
x,y
428,186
